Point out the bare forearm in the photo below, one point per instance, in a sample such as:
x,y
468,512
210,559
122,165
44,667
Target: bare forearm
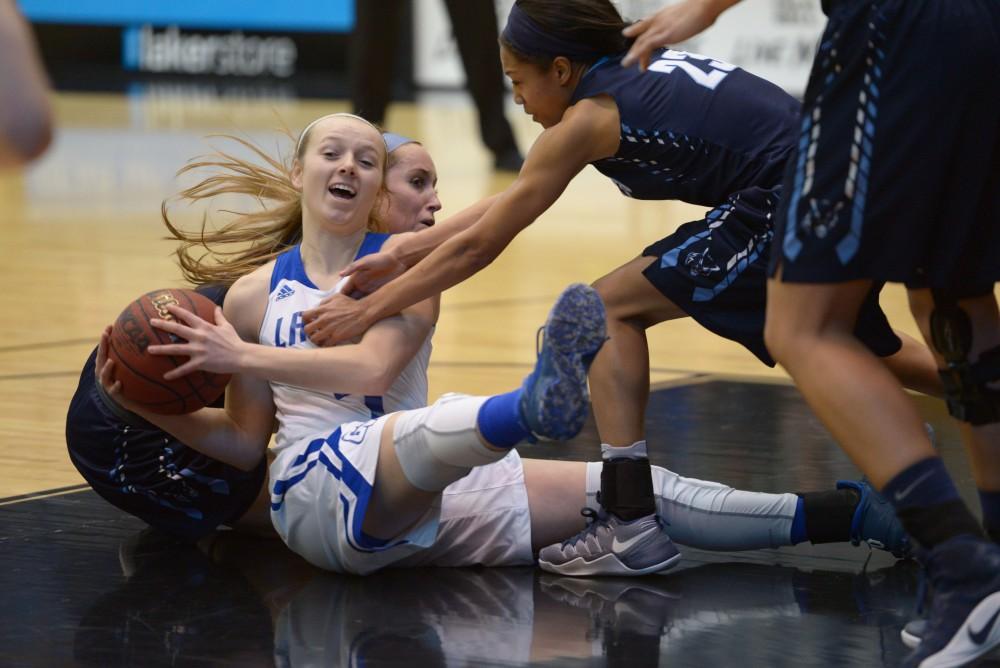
x,y
213,433
339,369
451,263
418,246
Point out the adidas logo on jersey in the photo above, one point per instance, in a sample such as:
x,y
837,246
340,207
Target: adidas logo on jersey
x,y
285,291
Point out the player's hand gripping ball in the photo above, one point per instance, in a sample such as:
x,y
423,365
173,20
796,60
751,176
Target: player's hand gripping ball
x,y
141,373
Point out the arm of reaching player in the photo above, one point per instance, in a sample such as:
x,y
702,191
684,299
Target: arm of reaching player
x,y
671,25
587,132
369,366
25,115
400,252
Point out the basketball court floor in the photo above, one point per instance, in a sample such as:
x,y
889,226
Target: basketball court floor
x,y
85,585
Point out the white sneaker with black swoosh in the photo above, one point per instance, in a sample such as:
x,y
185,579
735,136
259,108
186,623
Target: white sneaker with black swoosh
x,y
964,619
611,546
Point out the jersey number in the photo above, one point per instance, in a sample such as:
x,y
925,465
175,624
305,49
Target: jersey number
x,y
678,60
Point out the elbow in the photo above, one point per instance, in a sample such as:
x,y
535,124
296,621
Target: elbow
x,y
248,463
381,380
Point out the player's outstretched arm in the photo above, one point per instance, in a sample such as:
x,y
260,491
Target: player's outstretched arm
x,y
402,251
25,112
671,25
558,155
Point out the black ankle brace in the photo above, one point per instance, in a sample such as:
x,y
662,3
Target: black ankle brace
x,y
627,488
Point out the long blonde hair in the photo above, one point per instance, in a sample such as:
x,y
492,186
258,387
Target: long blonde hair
x,y
250,239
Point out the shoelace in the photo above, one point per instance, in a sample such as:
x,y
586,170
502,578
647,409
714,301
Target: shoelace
x,y
592,517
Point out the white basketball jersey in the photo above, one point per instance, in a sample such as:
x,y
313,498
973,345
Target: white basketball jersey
x,y
302,412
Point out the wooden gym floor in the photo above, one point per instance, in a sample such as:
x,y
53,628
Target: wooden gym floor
x,y
86,585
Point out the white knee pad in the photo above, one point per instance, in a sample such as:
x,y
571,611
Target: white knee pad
x,y
440,444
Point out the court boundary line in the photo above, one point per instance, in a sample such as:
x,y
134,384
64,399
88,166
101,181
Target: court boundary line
x,y
33,496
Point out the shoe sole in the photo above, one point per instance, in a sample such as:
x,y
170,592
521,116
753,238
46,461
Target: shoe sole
x,y
607,564
909,639
576,328
960,650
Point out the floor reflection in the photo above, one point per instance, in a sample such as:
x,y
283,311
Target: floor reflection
x,y
249,602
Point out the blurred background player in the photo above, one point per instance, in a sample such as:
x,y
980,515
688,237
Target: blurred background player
x,y
26,113
890,185
373,54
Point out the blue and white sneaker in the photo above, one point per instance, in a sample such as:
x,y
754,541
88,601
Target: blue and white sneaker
x,y
875,521
963,621
611,546
555,400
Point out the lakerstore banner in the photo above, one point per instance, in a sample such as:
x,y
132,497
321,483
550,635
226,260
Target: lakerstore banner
x,y
263,15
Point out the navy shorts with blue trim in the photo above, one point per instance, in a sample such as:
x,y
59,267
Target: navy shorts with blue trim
x,y
715,270
896,175
150,474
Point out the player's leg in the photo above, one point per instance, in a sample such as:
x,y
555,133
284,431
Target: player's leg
x,y
981,441
914,366
810,331
372,56
858,208
619,377
619,384
425,450
712,516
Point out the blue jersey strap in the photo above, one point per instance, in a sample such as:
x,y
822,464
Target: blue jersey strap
x,y
372,244
289,265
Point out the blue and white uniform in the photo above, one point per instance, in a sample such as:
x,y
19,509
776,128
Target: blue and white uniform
x,y
706,132
326,452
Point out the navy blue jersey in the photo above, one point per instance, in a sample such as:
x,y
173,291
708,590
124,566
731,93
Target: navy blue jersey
x,y
693,128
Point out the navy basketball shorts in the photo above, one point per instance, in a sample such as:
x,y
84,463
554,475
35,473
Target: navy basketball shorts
x,y
148,473
896,175
715,270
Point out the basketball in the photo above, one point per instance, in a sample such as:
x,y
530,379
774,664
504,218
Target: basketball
x,y
141,373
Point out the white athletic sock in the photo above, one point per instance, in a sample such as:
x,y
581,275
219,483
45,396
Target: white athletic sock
x,y
635,451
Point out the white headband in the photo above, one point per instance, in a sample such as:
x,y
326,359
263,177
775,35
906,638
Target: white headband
x,y
344,114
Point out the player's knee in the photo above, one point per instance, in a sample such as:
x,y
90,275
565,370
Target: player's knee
x,y
780,339
969,385
437,445
620,302
607,290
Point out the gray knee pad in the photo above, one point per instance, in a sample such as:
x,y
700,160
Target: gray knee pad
x,y
967,385
440,444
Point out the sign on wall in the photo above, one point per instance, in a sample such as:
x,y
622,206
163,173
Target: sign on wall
x,y
775,39
265,15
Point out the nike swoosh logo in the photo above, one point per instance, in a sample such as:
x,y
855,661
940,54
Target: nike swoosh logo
x,y
979,637
903,493
619,546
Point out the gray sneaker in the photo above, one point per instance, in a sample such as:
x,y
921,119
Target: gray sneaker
x,y
610,546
